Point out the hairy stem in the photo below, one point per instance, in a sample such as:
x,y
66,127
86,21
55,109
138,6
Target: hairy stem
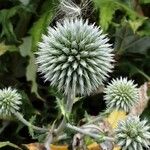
x,y
69,105
48,141
96,119
49,137
24,121
95,136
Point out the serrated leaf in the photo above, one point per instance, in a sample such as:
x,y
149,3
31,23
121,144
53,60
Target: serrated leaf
x,y
25,50
7,26
32,121
7,143
139,45
31,74
127,41
106,14
109,7
61,106
41,25
144,1
135,24
145,30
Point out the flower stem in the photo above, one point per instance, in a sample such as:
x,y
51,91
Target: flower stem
x,y
95,136
24,121
69,105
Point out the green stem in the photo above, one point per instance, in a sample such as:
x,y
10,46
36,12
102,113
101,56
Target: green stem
x,y
69,105
95,136
96,119
144,74
24,121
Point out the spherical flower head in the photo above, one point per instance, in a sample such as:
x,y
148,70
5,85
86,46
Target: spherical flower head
x,y
133,134
9,102
75,56
121,94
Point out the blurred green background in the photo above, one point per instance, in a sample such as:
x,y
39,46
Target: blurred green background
x,y
22,22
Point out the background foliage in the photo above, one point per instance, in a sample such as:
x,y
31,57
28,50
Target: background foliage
x,y
22,22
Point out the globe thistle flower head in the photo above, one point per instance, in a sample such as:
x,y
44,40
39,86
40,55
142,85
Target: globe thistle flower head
x,y
133,134
75,56
121,94
9,102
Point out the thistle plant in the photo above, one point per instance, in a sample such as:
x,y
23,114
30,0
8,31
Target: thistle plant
x,y
75,57
133,134
10,101
121,94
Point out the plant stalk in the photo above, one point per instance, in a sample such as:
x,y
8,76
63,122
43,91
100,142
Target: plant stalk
x,y
24,121
69,105
95,136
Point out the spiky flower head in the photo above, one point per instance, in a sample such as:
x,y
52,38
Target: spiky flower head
x,y
75,56
9,102
133,134
121,94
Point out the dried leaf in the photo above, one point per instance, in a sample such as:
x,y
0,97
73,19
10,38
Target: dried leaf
x,y
34,146
94,146
105,126
143,100
57,147
115,117
116,148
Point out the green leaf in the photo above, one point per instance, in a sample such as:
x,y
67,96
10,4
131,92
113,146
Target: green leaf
x,y
41,25
4,48
129,42
31,74
135,24
7,143
25,50
7,26
145,30
140,45
123,37
61,107
144,1
106,14
109,7
135,70
32,121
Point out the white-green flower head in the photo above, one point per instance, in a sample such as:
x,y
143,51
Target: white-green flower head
x,y
75,56
121,94
133,134
9,102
